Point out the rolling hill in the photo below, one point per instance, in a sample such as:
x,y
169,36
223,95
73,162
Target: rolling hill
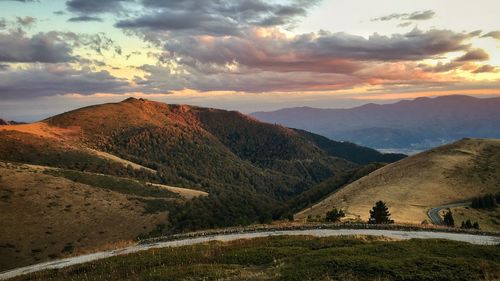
x,y
139,168
417,124
452,173
49,216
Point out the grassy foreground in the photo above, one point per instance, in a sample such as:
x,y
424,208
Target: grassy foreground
x,y
296,258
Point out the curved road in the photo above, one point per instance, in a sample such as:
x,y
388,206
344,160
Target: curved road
x,y
396,234
433,213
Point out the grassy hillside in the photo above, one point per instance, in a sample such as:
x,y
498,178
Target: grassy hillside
x,y
296,258
28,147
452,173
48,216
488,219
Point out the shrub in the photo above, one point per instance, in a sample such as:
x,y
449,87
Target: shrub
x,y
334,215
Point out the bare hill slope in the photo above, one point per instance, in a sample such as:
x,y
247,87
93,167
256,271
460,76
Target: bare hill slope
x,y
451,173
45,216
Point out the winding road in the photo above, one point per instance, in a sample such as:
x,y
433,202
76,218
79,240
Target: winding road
x,y
433,213
396,234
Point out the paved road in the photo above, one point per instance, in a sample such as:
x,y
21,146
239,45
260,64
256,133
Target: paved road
x,y
470,238
434,212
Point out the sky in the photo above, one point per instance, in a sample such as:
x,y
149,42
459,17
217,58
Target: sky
x,y
247,55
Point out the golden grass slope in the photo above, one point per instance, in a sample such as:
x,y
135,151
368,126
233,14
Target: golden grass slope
x,y
43,129
46,217
451,173
488,219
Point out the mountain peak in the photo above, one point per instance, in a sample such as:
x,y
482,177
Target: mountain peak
x,y
132,99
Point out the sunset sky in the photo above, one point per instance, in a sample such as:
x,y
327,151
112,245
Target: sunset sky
x,y
246,55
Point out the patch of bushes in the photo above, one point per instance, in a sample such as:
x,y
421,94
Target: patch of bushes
x,y
469,225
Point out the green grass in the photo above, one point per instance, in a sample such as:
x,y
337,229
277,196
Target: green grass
x,y
296,258
121,185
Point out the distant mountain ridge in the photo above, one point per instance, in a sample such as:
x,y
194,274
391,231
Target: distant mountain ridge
x,y
409,124
9,122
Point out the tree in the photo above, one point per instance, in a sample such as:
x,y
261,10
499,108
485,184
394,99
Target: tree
x,y
448,218
490,201
485,202
475,203
468,224
475,225
379,214
334,215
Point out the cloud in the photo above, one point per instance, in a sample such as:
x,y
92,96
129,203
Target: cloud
x,y
42,47
405,24
51,47
322,52
485,68
159,79
49,80
216,17
86,7
419,15
26,21
266,59
84,18
423,15
493,34
474,55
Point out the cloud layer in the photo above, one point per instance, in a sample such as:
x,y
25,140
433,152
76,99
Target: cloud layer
x,y
214,17
213,45
42,47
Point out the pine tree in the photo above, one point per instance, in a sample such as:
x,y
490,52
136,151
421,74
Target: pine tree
x,y
475,203
379,214
490,200
448,218
481,203
468,224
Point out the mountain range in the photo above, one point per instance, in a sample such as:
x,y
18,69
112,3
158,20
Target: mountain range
x,y
138,168
407,125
